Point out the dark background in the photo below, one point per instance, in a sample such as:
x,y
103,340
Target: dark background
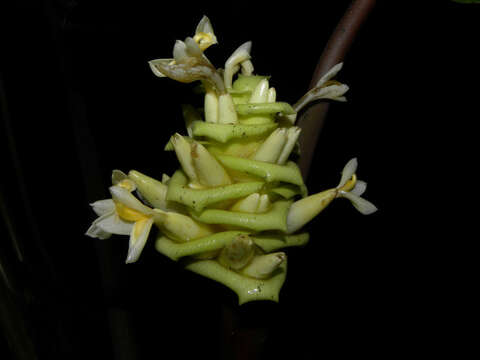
x,y
78,100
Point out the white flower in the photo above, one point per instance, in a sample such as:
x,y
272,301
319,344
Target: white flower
x,y
204,35
189,63
239,59
351,188
325,88
123,214
305,209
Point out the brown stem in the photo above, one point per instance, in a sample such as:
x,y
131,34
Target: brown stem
x,y
312,119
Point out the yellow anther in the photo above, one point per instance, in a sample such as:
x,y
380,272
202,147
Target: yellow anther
x,y
350,184
129,214
203,40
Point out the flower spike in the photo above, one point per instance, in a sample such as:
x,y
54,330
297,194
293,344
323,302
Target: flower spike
x,y
237,198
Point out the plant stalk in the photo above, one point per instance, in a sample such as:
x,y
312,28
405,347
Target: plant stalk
x,y
311,121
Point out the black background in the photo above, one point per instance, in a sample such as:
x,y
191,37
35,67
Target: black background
x,y
78,100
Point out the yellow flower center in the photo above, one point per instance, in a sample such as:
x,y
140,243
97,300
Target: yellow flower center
x,y
203,40
350,184
129,214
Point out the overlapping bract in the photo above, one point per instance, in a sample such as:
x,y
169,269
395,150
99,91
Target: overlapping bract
x,y
238,198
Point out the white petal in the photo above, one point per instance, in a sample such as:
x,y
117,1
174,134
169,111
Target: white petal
x,y
248,204
333,92
292,136
185,73
260,92
262,266
365,207
96,232
226,110
138,239
272,147
330,74
113,224
120,178
183,150
348,171
192,48
205,26
247,68
102,207
359,188
124,196
272,95
180,52
241,54
157,69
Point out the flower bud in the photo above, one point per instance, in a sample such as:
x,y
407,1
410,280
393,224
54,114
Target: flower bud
x,y
211,107
262,266
292,136
248,204
151,190
241,54
238,253
184,154
181,227
272,147
209,171
260,93
304,210
226,110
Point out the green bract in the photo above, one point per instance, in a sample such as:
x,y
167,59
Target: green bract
x,y
238,197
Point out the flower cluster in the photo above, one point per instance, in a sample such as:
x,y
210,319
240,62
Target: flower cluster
x,y
238,199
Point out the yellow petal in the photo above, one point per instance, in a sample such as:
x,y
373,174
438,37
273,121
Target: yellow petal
x,y
128,214
138,238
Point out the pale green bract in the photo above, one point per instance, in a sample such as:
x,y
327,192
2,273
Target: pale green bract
x,y
238,199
